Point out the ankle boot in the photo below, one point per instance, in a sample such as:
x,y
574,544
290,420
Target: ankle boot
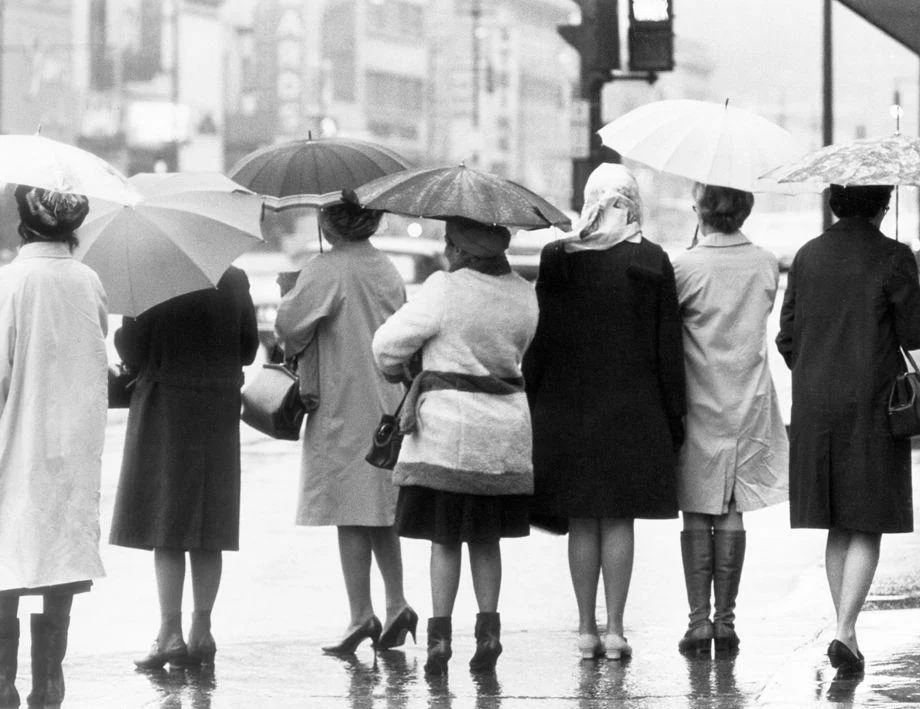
x,y
728,547
9,647
49,645
696,552
439,652
488,647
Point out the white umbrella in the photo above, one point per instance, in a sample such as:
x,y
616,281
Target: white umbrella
x,y
179,235
42,162
712,143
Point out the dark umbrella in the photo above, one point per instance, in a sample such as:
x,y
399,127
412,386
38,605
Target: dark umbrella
x,y
460,191
313,173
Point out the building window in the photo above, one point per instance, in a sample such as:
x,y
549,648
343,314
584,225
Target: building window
x,y
396,19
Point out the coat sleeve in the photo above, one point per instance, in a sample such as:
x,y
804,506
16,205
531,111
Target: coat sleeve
x,y
249,328
671,374
315,297
410,327
785,341
132,340
903,290
533,363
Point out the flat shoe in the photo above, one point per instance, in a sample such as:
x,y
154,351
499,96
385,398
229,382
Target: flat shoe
x,y
617,647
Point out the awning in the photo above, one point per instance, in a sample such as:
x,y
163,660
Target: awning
x,y
899,19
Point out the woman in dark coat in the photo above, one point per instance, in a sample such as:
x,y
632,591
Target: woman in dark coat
x,y
852,300
605,380
179,489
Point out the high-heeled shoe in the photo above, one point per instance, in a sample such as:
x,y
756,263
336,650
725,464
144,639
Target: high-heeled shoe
x,y
201,645
175,653
590,646
370,628
395,633
617,647
843,659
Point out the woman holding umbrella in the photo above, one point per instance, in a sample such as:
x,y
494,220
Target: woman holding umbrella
x,y
852,301
608,353
53,323
735,456
330,315
464,471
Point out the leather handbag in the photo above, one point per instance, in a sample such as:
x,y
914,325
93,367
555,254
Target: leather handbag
x,y
272,404
387,440
120,385
904,402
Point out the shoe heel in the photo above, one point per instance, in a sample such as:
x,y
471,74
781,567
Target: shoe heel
x,y
700,647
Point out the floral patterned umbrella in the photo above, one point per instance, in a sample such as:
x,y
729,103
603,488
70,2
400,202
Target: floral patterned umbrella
x,y
893,160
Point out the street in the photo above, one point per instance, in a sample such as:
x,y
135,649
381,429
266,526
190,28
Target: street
x,y
282,598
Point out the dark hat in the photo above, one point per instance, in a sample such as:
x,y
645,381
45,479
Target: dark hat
x,y
48,212
478,239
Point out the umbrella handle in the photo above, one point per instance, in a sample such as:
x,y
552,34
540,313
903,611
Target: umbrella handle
x,y
319,230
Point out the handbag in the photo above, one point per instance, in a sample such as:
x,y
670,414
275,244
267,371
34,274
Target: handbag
x,y
272,404
387,440
121,381
904,402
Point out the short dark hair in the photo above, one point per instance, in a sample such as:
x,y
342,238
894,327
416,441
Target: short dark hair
x,y
349,221
722,208
858,200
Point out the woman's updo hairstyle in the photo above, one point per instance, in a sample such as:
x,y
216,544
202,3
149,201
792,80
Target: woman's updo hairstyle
x,y
722,208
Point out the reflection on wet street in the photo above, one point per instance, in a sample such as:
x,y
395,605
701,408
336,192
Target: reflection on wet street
x,y
189,688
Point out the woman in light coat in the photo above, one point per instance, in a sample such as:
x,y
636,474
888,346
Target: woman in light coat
x,y
53,402
465,468
735,455
329,317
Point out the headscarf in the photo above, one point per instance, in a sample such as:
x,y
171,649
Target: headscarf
x,y
612,211
48,215
350,222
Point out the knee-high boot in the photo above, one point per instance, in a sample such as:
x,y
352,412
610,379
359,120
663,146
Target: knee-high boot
x,y
49,645
488,645
9,647
728,547
440,630
697,555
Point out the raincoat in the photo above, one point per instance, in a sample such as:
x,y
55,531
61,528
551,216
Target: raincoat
x,y
736,445
52,418
341,297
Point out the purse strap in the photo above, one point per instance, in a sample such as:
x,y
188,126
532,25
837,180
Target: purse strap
x,y
401,402
910,359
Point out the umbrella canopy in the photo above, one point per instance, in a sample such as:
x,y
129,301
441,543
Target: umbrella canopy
x,y
460,191
180,235
712,143
41,162
892,160
313,173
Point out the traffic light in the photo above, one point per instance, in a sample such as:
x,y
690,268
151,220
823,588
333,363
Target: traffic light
x,y
651,36
597,40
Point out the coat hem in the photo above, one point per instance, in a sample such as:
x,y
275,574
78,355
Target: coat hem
x,y
472,482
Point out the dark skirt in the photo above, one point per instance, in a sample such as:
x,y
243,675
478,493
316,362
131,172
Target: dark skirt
x,y
58,589
180,476
451,517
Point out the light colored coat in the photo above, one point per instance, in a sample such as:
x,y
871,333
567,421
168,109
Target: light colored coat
x,y
736,445
465,323
339,300
53,406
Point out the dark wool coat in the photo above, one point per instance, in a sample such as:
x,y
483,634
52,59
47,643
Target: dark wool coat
x,y
180,475
852,298
605,380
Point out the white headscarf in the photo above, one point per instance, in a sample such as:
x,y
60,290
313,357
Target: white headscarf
x,y
612,211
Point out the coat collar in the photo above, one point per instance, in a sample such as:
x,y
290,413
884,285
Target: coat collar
x,y
851,224
717,240
44,249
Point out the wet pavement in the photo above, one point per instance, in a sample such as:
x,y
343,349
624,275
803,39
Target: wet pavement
x,y
282,598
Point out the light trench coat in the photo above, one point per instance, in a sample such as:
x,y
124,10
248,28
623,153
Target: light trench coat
x,y
53,406
736,445
341,297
